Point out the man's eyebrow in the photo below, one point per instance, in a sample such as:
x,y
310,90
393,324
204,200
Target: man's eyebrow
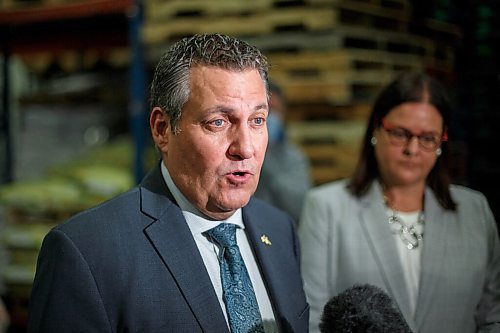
x,y
264,106
219,109
224,109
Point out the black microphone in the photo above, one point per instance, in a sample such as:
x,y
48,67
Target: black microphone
x,y
362,308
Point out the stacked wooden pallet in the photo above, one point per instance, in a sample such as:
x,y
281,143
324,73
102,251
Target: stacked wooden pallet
x,y
167,20
332,146
307,30
331,57
338,76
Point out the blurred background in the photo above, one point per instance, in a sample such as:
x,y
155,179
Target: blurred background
x,y
74,92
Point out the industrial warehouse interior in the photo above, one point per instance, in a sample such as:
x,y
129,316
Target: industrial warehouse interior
x,y
75,76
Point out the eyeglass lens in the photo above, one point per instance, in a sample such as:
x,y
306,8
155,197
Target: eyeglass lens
x,y
402,136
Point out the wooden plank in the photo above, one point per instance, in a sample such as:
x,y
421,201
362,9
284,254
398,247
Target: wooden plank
x,y
331,162
314,92
297,18
385,4
161,9
326,111
321,2
335,87
375,14
388,15
342,36
329,63
331,146
277,42
165,10
346,131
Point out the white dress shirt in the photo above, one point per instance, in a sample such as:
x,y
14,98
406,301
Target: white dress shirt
x,y
410,259
198,223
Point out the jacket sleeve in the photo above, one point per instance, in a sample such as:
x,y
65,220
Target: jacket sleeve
x,y
65,297
488,310
314,239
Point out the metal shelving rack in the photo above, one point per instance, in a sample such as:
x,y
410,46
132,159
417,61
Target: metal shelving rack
x,y
55,27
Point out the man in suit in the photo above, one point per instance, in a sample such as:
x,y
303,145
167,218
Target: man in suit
x,y
147,261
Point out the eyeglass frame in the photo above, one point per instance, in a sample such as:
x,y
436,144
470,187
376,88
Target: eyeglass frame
x,y
389,128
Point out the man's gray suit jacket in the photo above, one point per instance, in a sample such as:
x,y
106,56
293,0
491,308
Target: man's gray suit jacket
x,y
131,265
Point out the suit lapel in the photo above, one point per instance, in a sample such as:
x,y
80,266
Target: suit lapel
x,y
379,239
174,243
437,222
274,263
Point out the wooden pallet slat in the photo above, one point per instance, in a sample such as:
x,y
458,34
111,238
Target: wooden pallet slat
x,y
314,91
338,76
309,19
400,47
374,15
343,60
297,41
166,10
332,147
317,111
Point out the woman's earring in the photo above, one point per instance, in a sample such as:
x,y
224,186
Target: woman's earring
x,y
373,141
439,152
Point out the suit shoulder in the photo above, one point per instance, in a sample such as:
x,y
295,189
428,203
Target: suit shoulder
x,y
336,189
464,194
471,203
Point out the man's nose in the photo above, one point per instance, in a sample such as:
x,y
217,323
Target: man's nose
x,y
242,145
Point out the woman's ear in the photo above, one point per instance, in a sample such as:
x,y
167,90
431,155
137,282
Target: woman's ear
x,y
159,122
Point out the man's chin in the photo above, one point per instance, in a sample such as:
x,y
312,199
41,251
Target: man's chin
x,y
226,208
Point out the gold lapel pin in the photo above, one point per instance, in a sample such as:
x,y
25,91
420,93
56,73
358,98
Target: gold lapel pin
x,y
265,240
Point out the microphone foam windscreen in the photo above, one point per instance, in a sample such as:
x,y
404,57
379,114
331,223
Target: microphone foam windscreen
x,y
362,308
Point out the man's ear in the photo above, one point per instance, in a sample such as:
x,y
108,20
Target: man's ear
x,y
159,122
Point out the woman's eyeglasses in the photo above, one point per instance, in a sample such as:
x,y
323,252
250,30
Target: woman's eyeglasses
x,y
401,137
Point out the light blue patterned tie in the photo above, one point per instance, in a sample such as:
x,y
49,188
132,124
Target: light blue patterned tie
x,y
238,293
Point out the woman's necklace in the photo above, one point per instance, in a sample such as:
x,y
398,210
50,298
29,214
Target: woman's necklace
x,y
409,235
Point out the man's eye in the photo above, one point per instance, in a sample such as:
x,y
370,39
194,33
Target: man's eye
x,y
259,121
217,122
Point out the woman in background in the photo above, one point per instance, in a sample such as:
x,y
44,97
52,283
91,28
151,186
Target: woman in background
x,y
398,223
